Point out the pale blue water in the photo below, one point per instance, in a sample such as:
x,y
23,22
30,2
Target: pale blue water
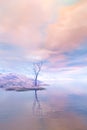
x,y
62,106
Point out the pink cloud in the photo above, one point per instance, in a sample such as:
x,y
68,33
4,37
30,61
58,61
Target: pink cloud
x,y
70,29
20,21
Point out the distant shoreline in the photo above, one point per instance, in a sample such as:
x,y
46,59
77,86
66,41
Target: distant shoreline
x,y
25,89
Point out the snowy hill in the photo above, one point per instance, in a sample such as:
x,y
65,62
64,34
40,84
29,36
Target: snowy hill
x,y
15,81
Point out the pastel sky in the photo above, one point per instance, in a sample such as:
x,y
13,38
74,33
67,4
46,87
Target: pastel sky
x,y
52,31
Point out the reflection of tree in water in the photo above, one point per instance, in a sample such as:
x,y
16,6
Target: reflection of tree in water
x,y
37,110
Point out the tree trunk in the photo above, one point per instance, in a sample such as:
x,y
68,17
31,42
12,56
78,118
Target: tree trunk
x,y
36,80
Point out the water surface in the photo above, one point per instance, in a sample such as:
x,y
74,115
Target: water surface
x,y
62,106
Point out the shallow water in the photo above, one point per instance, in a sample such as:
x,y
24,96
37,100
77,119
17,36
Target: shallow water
x,y
62,106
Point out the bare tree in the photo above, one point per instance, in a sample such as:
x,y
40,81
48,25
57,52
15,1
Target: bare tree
x,y
37,68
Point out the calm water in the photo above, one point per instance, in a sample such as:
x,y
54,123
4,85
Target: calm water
x,y
62,106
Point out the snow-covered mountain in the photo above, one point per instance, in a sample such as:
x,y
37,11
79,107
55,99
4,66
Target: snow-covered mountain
x,y
15,81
